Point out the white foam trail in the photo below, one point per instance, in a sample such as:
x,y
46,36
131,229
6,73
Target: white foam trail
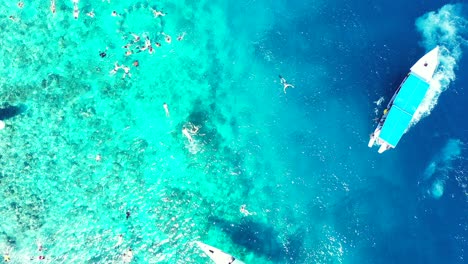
x,y
441,166
447,28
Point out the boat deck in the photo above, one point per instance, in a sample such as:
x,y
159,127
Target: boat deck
x,y
406,103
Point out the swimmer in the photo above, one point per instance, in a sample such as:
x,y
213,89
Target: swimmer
x,y
12,18
136,63
20,4
102,54
147,42
166,37
128,256
166,109
90,14
39,246
52,6
194,129
157,13
127,215
128,53
114,14
76,11
116,68
186,133
126,71
244,211
119,240
136,38
158,44
181,37
380,101
285,84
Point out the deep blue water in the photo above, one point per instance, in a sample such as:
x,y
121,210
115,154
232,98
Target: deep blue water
x,y
387,216
299,161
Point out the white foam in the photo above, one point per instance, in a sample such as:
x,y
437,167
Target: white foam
x,y
437,189
446,28
441,166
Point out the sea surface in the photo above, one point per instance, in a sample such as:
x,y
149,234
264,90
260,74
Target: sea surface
x,y
91,166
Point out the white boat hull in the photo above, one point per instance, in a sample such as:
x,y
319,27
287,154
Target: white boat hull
x,y
218,256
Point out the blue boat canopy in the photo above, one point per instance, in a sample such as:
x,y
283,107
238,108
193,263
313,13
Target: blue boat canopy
x,y
409,98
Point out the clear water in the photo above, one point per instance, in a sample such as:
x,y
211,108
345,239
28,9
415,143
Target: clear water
x,y
83,147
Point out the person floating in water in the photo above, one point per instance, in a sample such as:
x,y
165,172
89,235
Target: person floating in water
x,y
167,37
126,72
90,14
181,37
186,133
103,54
244,211
157,13
128,256
116,68
76,11
285,84
166,109
52,6
119,240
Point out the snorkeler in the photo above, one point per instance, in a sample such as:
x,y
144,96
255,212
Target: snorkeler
x,y
157,13
181,37
52,6
128,256
136,38
166,109
116,68
244,211
167,38
90,14
103,54
76,11
186,133
285,84
126,71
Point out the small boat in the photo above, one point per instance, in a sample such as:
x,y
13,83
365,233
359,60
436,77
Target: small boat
x,y
218,256
397,116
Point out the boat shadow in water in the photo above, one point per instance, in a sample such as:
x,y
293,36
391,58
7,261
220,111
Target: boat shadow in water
x,y
9,111
262,240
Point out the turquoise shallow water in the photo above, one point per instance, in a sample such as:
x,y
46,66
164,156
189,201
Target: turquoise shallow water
x,y
54,188
83,147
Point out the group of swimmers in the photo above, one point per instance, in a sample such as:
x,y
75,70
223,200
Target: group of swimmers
x,y
127,256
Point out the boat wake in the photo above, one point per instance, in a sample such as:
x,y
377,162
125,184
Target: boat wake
x,y
447,28
441,166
